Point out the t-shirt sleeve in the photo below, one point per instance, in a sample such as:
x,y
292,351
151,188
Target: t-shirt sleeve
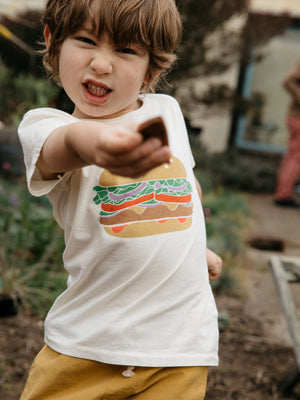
x,y
33,131
182,127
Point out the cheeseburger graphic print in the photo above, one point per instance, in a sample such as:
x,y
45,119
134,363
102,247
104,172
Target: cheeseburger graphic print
x,y
159,202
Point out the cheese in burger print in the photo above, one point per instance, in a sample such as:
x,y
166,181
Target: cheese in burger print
x,y
159,202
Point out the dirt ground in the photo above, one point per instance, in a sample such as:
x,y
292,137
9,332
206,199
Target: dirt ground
x,y
256,353
255,348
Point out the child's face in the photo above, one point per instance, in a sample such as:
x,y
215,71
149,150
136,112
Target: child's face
x,y
102,80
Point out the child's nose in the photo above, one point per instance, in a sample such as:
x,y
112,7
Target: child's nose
x,y
102,62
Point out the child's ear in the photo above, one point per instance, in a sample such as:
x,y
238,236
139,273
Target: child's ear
x,y
157,74
47,36
150,78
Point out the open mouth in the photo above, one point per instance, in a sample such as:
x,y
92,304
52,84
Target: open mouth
x,y
96,90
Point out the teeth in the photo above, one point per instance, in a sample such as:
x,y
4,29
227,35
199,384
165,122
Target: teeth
x,y
97,90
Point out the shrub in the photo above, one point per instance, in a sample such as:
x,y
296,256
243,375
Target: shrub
x,y
21,93
233,170
227,216
31,270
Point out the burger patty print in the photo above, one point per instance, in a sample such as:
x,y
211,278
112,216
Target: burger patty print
x,y
159,202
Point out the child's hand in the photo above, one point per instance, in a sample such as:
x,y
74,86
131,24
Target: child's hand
x,y
214,264
120,150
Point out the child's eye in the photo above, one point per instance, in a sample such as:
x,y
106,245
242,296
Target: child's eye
x,y
86,40
126,50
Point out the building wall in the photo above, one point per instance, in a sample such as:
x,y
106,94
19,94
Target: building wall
x,y
279,6
214,121
216,127
13,7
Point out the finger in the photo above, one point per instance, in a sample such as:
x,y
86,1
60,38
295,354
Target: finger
x,y
160,156
118,141
213,277
215,271
141,155
140,168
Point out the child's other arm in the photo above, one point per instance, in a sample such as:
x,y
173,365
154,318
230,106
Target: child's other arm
x,y
120,150
214,262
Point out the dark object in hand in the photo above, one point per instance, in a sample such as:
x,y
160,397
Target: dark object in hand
x,y
154,127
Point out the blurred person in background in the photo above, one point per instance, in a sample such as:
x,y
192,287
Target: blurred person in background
x,y
290,166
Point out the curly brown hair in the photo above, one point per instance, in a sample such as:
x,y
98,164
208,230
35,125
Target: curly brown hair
x,y
153,24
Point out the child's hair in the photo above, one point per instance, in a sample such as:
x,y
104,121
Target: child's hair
x,y
153,24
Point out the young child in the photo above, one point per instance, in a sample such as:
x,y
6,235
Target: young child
x,y
138,319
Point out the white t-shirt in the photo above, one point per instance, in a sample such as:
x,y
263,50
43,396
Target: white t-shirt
x,y
135,296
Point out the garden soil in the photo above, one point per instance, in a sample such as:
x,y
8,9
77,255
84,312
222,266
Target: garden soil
x,y
256,351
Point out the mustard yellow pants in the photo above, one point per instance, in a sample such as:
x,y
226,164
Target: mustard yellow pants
x,y
54,376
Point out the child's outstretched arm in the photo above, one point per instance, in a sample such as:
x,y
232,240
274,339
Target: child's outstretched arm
x,y
214,262
120,150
